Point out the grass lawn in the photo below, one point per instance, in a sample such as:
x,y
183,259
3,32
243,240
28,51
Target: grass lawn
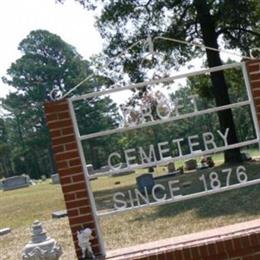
x,y
19,208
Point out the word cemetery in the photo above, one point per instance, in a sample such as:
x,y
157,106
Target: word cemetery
x,y
131,155
182,147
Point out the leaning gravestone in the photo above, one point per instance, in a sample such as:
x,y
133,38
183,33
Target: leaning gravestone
x,y
145,180
15,182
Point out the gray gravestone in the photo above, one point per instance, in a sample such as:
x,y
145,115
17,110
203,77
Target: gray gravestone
x,y
59,214
15,182
145,180
4,231
55,178
190,164
90,169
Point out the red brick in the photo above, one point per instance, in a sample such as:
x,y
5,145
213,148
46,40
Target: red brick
x,y
80,219
212,248
55,133
187,253
253,67
229,245
169,256
255,84
254,77
78,252
195,252
71,170
161,256
63,115
57,106
94,241
203,249
253,240
75,229
78,178
90,225
65,180
61,165
245,242
71,146
96,249
74,187
85,210
67,131
77,203
75,162
237,243
258,237
58,148
177,254
69,196
63,140
67,155
51,117
257,103
217,257
256,93
72,212
81,194
59,124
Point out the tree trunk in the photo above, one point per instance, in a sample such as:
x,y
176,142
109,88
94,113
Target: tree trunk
x,y
220,90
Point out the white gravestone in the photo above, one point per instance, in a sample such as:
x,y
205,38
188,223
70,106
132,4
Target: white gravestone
x,y
41,247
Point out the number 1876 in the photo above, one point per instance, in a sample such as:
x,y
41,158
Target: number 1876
x,y
215,182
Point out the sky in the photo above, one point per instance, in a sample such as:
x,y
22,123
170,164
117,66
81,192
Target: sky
x,y
70,21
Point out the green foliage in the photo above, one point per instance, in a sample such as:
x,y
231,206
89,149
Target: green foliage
x,y
122,23
47,62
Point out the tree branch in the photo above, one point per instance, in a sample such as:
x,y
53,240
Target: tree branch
x,y
229,28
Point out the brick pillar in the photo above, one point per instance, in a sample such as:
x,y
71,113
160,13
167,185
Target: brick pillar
x,y
70,169
253,69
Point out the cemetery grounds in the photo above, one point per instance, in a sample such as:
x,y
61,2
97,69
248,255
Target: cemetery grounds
x,y
19,208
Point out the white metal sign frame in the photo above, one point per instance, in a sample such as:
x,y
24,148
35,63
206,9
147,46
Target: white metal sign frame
x,y
80,138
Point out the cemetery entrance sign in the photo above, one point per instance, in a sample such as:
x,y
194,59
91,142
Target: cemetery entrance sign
x,y
169,148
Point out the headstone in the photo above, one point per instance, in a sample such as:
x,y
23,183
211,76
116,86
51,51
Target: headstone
x,y
145,180
15,182
101,169
4,231
90,169
1,185
206,161
59,214
43,177
41,246
190,164
55,178
171,167
246,156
